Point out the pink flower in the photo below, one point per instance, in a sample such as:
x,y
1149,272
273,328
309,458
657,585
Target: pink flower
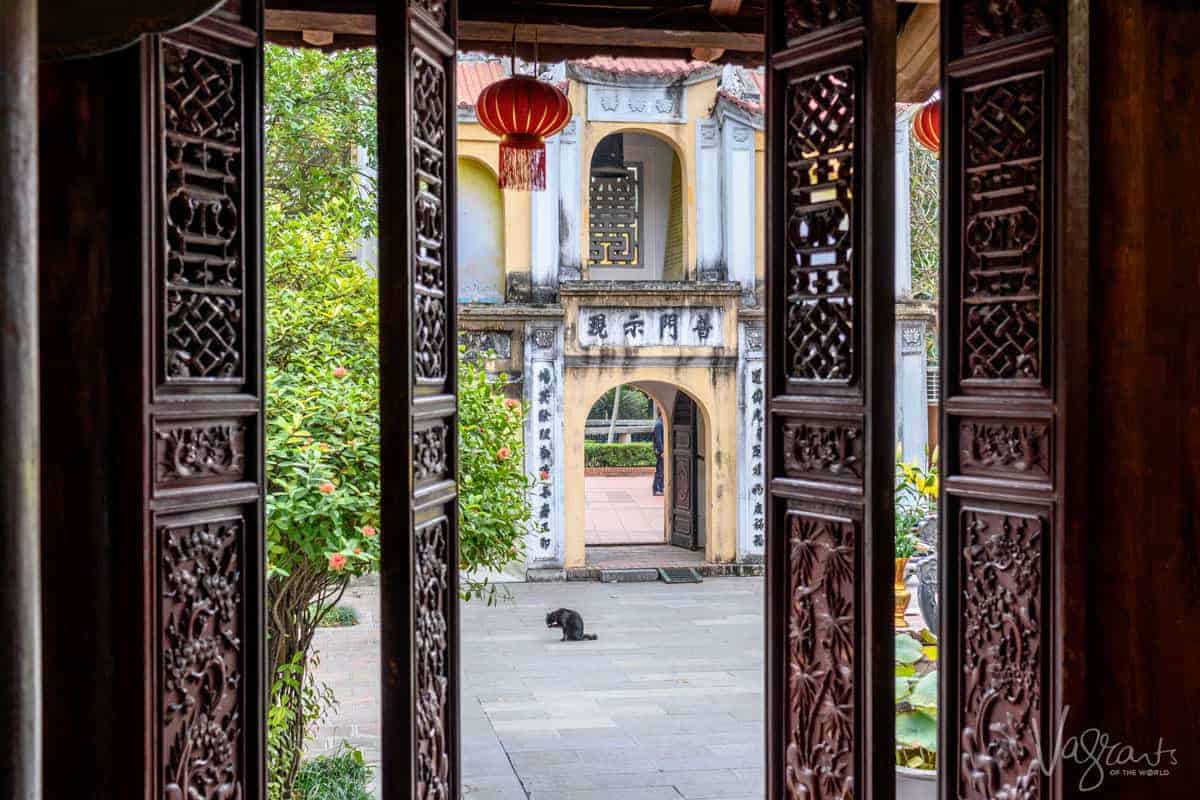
x,y
368,531
358,551
545,474
337,562
326,488
503,454
340,372
510,403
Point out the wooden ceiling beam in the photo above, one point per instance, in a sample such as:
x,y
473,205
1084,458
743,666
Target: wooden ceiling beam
x,y
497,32
718,8
918,68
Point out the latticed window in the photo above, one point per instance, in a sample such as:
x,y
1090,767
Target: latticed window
x,y
615,217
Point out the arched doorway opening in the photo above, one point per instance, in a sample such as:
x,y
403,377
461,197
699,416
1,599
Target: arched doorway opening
x,y
637,215
646,477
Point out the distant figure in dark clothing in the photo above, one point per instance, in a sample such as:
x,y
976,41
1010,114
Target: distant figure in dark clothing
x,y
658,450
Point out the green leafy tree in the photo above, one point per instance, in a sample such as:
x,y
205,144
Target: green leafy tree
x,y
493,501
322,452
319,113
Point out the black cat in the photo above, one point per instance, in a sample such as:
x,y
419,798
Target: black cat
x,y
571,623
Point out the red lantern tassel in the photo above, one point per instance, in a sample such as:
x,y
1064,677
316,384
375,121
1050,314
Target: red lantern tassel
x,y
522,164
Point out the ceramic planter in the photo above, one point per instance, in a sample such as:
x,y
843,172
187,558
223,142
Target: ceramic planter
x,y
916,784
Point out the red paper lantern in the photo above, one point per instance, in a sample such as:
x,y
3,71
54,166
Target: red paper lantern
x,y
927,126
523,111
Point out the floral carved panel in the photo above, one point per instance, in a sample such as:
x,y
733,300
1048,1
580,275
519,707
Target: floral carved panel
x,y
823,450
808,16
429,453
1003,231
1015,449
201,664
819,173
820,653
202,305
192,453
431,639
1001,652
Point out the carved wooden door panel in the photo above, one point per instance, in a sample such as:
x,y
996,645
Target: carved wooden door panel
x,y
830,702
683,472
419,570
203,435
1003,128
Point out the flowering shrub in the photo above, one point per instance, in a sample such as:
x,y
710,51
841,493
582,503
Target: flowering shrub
x,y
493,508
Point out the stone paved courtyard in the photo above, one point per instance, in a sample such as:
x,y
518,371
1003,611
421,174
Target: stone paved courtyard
x,y
668,703
622,509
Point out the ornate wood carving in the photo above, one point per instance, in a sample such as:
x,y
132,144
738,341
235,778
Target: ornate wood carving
x,y
684,517
1001,653
188,453
205,410
821,643
419,586
819,175
432,593
1013,448
429,453
1001,139
1002,238
830,434
201,662
429,230
203,301
988,21
832,450
806,16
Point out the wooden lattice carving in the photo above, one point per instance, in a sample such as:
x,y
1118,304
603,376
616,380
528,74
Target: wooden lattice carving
x,y
1002,236
204,331
819,180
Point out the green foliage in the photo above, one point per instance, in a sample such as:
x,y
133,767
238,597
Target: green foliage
x,y
336,617
493,508
635,404
916,497
923,220
623,454
318,111
297,706
341,776
322,451
322,425
916,701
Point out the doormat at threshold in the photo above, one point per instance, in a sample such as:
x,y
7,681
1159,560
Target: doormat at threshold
x,y
678,575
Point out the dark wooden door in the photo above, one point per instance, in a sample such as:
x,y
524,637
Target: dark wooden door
x,y
683,472
1003,134
203,436
830,197
419,569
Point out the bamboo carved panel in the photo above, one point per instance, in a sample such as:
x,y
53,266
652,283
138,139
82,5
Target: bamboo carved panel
x,y
1001,474
829,324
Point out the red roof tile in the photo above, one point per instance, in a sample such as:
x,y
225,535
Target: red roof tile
x,y
474,76
663,67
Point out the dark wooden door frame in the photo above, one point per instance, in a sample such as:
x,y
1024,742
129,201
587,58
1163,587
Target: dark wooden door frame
x,y
830,144
684,503
1014,311
418,363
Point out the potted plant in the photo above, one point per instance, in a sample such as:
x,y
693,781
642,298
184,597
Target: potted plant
x,y
915,500
916,716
